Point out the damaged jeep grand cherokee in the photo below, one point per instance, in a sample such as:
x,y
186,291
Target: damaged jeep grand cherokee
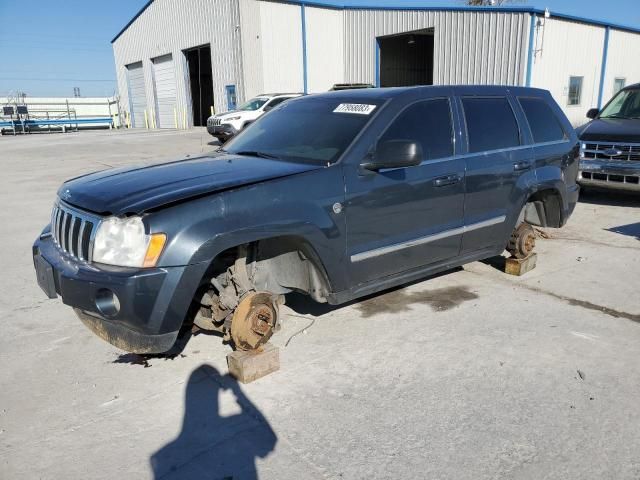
x,y
336,195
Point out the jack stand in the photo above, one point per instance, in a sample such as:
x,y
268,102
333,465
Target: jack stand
x,y
520,266
247,366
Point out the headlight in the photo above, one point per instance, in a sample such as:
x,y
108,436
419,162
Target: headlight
x,y
122,242
231,119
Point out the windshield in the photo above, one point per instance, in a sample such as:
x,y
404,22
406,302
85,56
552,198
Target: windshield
x,y
309,130
626,104
254,103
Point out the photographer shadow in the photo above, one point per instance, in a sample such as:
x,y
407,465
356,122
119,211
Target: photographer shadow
x,y
211,445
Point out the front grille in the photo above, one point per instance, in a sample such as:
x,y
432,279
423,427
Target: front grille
x,y
73,230
629,152
214,122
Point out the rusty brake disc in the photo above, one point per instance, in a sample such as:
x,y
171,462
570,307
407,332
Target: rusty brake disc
x,y
254,320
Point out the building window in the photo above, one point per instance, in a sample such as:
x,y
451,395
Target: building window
x,y
618,84
575,90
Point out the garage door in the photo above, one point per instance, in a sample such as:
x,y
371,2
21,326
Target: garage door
x,y
164,78
137,97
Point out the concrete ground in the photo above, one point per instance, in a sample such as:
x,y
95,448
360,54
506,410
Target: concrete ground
x,y
470,375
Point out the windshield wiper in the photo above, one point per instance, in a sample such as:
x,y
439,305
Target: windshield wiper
x,y
256,153
615,115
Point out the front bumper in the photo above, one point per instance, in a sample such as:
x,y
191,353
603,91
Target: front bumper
x,y
616,175
137,310
222,131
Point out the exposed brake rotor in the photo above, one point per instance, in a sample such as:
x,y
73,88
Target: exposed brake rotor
x,y
522,241
254,320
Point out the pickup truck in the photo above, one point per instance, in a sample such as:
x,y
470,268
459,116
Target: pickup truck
x,y
610,144
336,195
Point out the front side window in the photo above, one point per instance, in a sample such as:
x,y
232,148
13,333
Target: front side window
x,y
575,91
253,104
428,123
491,124
307,130
618,84
542,121
626,104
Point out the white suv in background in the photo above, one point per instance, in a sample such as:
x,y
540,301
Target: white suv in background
x,y
223,126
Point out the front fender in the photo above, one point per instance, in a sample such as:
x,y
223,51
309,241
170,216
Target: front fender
x,y
299,206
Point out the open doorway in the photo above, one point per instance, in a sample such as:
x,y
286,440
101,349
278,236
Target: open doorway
x,y
200,83
406,59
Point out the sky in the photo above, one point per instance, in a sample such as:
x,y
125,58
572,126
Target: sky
x,y
48,47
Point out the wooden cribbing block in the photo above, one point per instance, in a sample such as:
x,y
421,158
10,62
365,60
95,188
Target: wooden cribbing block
x,y
249,366
520,266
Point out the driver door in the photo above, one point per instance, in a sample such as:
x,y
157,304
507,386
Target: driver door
x,y
405,218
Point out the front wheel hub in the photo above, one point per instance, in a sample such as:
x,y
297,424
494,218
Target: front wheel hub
x,y
254,320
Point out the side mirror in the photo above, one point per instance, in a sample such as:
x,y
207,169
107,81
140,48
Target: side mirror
x,y
593,113
267,108
395,154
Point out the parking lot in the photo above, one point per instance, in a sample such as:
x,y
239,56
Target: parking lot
x,y
470,375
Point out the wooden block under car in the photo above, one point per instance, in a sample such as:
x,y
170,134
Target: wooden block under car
x,y
520,266
249,366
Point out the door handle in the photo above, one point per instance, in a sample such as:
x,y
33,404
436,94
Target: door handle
x,y
521,166
446,180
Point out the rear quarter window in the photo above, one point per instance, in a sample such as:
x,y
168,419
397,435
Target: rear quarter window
x,y
544,125
491,123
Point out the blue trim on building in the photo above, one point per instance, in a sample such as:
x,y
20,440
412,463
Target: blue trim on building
x,y
391,5
377,64
531,51
603,68
305,76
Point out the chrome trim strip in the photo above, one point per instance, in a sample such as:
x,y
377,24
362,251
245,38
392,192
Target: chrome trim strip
x,y
83,225
63,237
376,252
70,235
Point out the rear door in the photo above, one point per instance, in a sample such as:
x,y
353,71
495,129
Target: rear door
x,y
553,148
403,218
499,168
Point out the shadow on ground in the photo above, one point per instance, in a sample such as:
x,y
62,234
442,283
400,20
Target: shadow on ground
x,y
630,230
210,444
388,301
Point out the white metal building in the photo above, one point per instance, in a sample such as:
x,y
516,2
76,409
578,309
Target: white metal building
x,y
176,61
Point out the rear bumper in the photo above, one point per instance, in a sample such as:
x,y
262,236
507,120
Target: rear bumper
x,y
137,310
610,174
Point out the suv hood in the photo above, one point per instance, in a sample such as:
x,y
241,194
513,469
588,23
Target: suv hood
x,y
611,130
137,189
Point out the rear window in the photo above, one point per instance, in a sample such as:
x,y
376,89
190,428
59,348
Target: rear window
x,y
543,123
491,124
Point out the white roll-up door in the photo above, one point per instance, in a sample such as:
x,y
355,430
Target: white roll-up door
x,y
137,97
164,79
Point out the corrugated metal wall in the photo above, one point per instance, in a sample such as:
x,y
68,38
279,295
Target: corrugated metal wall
x,y
623,61
469,47
325,48
171,26
281,35
257,45
567,49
